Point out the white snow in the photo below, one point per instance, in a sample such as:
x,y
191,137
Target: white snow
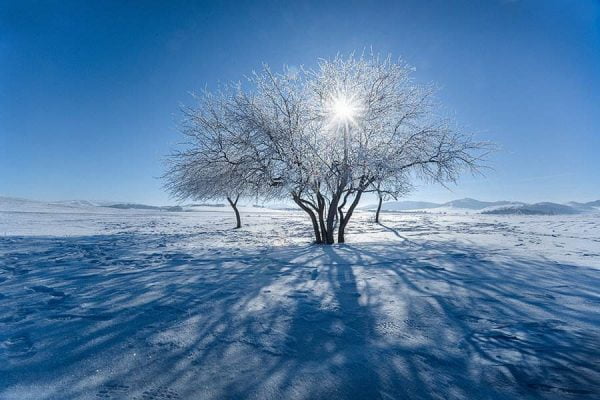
x,y
148,304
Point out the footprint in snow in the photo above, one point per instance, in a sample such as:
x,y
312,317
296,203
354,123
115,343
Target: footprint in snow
x,y
19,346
296,295
470,318
160,393
92,317
542,296
557,389
48,290
112,391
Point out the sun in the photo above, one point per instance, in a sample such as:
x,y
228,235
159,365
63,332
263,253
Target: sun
x,y
342,109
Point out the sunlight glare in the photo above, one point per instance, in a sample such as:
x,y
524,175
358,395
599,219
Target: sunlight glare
x,y
342,109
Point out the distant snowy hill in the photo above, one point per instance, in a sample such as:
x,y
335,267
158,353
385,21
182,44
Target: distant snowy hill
x,y
583,207
82,203
135,206
18,205
464,206
14,204
455,205
593,203
469,205
402,205
534,209
472,204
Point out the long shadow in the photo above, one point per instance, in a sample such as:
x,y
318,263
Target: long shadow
x,y
395,232
120,316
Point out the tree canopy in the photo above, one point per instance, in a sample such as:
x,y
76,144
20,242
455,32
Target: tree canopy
x,y
321,137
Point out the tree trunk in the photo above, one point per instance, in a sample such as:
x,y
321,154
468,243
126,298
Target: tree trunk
x,y
331,215
321,209
344,221
378,210
313,219
233,205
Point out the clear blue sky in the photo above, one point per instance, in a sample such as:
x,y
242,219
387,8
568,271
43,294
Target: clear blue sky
x,y
89,90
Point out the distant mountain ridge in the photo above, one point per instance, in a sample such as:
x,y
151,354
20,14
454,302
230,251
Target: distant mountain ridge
x,y
490,207
473,204
12,204
128,206
466,203
403,205
15,204
544,208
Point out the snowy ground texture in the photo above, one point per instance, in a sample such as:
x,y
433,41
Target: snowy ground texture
x,y
126,304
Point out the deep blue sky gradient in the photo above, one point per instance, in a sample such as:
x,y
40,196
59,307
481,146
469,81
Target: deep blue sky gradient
x,y
90,90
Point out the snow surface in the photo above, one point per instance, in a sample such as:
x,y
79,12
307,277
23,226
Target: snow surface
x,y
100,303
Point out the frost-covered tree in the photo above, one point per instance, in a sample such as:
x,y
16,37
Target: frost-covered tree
x,y
210,166
326,136
383,193
382,127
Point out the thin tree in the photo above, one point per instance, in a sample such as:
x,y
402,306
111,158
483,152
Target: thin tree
x,y
211,164
384,193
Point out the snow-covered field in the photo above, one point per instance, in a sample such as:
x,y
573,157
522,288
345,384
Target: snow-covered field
x,y
129,304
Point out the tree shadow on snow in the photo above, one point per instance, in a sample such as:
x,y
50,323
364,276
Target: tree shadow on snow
x,y
119,316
